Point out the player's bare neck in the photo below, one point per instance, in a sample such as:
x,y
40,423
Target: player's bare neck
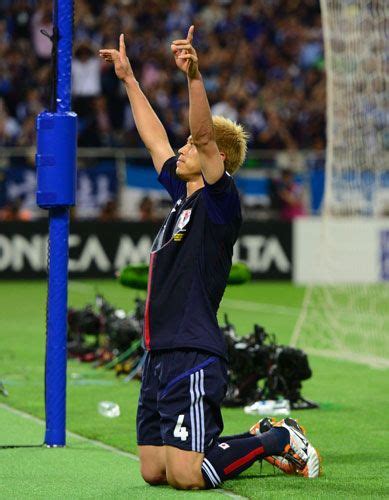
x,y
193,186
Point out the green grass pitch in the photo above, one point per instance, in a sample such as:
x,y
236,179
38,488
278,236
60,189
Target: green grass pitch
x,y
350,430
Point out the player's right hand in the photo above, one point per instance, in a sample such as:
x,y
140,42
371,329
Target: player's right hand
x,y
185,55
119,58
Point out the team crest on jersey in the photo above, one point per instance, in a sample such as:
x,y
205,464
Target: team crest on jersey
x,y
184,219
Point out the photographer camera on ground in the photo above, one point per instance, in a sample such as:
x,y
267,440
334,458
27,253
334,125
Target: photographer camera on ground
x,y
256,357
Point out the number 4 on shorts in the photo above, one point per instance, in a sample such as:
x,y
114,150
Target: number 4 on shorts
x,y
179,430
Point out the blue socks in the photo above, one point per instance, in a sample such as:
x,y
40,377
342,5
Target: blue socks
x,y
228,458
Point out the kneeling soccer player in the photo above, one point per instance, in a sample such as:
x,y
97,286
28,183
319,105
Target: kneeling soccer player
x,y
179,419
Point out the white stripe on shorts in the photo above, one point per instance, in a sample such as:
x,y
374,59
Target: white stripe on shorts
x,y
192,419
196,389
197,412
201,404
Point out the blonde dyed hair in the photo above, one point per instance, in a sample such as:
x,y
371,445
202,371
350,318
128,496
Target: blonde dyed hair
x,y
231,139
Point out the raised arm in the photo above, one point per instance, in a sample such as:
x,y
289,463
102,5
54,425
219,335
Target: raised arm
x,y
150,128
200,118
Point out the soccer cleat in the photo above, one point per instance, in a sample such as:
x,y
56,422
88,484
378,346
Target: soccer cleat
x,y
299,456
299,452
312,468
263,425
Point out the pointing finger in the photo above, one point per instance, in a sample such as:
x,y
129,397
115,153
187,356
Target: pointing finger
x,y
122,45
189,36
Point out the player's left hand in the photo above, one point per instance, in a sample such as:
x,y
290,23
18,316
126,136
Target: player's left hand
x,y
185,55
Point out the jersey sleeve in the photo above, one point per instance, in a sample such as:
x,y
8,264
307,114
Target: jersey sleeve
x,y
170,181
222,200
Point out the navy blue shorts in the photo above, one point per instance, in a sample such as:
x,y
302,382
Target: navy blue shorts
x,y
180,399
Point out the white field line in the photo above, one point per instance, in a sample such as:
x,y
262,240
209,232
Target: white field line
x,y
372,361
99,444
246,305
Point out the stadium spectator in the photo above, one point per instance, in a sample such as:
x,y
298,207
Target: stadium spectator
x,y
109,212
226,107
85,72
14,211
9,127
27,135
31,105
41,20
288,196
147,210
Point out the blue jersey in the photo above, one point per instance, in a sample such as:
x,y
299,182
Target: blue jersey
x,y
189,265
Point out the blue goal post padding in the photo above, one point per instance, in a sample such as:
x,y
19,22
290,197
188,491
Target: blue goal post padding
x,y
56,187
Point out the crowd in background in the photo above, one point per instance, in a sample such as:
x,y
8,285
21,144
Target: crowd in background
x,y
262,61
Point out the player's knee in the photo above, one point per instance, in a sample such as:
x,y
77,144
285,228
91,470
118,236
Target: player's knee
x,y
153,476
185,480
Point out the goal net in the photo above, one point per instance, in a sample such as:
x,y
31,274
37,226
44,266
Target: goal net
x,y
346,306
